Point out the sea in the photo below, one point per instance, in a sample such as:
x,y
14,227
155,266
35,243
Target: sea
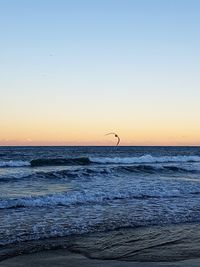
x,y
59,192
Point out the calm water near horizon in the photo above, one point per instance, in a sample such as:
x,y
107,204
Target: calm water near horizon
x,y
49,192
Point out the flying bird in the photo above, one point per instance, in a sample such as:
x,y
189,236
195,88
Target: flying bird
x,y
118,141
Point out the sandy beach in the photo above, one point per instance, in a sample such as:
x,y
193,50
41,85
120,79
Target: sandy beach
x,y
173,245
62,257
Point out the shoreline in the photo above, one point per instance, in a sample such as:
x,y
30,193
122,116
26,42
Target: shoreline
x,y
167,245
63,257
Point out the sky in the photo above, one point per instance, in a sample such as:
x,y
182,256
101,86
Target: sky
x,y
72,71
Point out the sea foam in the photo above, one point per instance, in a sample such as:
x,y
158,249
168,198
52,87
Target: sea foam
x,y
14,163
145,159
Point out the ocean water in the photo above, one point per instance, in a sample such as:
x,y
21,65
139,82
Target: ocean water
x,y
49,192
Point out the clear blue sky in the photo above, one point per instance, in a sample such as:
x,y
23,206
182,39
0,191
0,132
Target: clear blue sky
x,y
73,70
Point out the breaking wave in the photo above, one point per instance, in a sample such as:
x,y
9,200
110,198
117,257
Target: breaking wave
x,y
157,169
108,171
60,162
145,159
86,196
14,163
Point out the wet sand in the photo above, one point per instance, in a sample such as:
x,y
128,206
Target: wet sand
x,y
157,246
62,257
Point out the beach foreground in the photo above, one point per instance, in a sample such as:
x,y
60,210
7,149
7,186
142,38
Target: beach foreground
x,y
172,245
62,257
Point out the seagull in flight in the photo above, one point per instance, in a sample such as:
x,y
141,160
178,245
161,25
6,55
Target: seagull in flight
x,y
116,135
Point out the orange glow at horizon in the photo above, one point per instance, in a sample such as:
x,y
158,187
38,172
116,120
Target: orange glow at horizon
x,y
152,133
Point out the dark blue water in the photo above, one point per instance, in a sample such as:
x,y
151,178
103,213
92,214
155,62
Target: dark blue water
x,y
60,191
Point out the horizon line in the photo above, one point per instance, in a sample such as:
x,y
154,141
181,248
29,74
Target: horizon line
x,y
99,146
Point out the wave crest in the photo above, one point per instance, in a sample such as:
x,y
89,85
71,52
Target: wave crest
x,y
85,197
60,161
146,159
14,163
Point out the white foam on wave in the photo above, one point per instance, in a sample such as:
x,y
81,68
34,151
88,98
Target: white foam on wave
x,y
145,159
85,196
61,199
14,163
117,160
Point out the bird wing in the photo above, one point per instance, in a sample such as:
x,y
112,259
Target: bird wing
x,y
110,133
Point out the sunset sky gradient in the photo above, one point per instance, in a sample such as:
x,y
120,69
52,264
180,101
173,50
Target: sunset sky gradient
x,y
71,71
